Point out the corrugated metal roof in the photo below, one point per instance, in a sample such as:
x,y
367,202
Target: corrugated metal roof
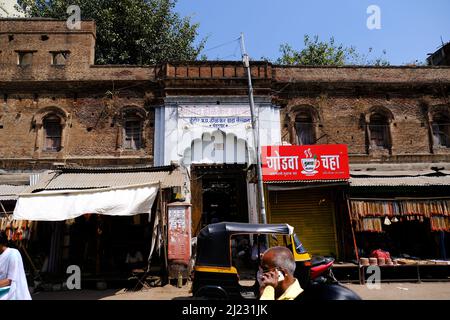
x,y
394,173
59,181
17,179
400,181
9,192
42,181
416,166
77,169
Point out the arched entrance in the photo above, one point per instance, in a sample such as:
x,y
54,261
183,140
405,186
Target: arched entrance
x,y
218,166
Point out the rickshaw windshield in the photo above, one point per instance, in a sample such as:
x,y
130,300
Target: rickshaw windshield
x,y
299,248
214,241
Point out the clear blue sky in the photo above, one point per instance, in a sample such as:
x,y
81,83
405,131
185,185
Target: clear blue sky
x,y
409,29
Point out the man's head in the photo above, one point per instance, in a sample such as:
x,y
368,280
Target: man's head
x,y
3,240
279,259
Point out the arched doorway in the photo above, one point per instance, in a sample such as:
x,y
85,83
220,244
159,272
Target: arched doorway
x,y
218,166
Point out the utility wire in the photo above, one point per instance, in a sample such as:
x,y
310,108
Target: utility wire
x,y
220,45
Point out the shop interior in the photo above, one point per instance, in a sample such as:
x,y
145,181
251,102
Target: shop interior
x,y
106,248
222,196
407,239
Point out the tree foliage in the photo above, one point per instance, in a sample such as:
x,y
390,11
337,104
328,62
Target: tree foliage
x,y
325,53
130,31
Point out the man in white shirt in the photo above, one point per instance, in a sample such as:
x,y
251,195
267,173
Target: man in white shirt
x,y
13,282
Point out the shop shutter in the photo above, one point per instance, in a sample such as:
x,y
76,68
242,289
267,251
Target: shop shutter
x,y
311,213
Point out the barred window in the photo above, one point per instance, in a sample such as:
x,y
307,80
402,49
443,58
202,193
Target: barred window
x,y
305,128
441,130
133,133
379,131
53,133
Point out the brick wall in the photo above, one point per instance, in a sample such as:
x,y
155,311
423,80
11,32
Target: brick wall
x,y
341,120
44,37
341,96
93,130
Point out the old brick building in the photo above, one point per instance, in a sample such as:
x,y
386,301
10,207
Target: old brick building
x,y
395,122
59,108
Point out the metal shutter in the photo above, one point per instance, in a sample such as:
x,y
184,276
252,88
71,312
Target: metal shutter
x,y
312,218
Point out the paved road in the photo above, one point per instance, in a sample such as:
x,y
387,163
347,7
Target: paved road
x,y
158,293
388,291
405,291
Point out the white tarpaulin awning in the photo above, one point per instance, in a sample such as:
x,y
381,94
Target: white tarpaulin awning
x,y
68,204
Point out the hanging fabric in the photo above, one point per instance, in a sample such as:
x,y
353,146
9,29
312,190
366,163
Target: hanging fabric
x,y
401,210
440,224
16,230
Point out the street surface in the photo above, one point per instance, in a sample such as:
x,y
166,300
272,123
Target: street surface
x,y
388,291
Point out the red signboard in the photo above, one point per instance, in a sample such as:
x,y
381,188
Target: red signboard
x,y
314,162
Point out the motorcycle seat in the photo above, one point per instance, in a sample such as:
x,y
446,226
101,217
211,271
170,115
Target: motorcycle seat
x,y
317,261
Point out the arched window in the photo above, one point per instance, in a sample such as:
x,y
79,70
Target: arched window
x,y
441,130
305,128
132,133
52,133
379,131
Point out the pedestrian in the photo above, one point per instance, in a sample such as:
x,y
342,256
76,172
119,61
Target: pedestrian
x,y
13,282
277,275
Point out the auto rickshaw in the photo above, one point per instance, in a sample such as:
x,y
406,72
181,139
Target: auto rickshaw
x,y
215,277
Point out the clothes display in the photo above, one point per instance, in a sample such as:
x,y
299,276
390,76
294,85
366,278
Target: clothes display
x,y
392,208
16,230
369,225
368,213
440,223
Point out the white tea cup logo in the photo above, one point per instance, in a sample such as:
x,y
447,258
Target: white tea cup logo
x,y
310,163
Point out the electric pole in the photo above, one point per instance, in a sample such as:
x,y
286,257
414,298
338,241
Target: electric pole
x,y
255,129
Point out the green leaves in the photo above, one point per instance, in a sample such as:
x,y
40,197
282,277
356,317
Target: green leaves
x,y
131,31
322,53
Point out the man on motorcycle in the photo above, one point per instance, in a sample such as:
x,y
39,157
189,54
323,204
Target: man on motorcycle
x,y
277,275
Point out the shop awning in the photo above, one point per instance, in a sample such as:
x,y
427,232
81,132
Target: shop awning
x,y
94,178
68,204
418,181
70,192
300,185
